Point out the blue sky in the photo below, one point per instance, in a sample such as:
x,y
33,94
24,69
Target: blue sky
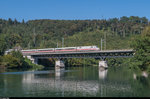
x,y
72,9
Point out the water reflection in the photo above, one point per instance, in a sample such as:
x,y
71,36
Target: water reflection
x,y
33,84
143,74
102,74
59,72
134,76
88,81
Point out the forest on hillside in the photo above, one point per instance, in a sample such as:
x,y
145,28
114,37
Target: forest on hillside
x,y
46,33
117,33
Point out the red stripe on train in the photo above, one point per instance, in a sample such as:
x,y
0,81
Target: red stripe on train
x,y
60,50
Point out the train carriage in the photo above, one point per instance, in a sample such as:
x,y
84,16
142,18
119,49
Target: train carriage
x,y
29,51
87,48
64,49
46,50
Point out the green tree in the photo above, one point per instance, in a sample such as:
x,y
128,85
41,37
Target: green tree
x,y
23,22
141,45
19,56
10,62
10,22
3,44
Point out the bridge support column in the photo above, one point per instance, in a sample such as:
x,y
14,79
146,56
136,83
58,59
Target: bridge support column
x,y
35,60
103,65
59,64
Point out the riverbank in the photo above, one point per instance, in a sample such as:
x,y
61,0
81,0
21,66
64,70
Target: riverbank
x,y
15,60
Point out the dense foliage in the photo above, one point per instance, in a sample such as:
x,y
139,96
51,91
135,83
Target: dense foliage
x,y
141,45
15,60
46,33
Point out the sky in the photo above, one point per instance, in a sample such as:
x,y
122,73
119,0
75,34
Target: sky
x,y
73,9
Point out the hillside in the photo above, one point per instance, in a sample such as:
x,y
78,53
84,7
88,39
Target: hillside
x,y
46,33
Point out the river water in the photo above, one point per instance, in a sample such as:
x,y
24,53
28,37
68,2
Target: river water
x,y
86,81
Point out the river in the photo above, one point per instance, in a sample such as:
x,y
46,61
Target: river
x,y
86,81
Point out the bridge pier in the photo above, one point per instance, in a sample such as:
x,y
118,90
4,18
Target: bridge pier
x,y
59,64
103,65
35,60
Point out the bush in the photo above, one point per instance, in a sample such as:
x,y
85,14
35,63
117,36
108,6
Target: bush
x,y
16,60
10,62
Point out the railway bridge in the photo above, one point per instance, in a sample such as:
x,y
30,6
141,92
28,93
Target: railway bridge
x,y
79,54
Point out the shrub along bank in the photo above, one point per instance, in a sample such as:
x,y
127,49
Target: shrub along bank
x,y
15,60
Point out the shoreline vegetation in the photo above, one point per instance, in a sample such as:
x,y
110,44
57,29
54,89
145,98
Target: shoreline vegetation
x,y
119,33
15,60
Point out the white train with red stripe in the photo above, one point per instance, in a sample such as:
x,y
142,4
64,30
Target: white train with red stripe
x,y
64,49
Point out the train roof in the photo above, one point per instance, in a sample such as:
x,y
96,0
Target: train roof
x,y
57,48
86,46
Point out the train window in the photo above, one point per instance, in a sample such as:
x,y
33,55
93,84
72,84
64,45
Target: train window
x,y
59,49
70,48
